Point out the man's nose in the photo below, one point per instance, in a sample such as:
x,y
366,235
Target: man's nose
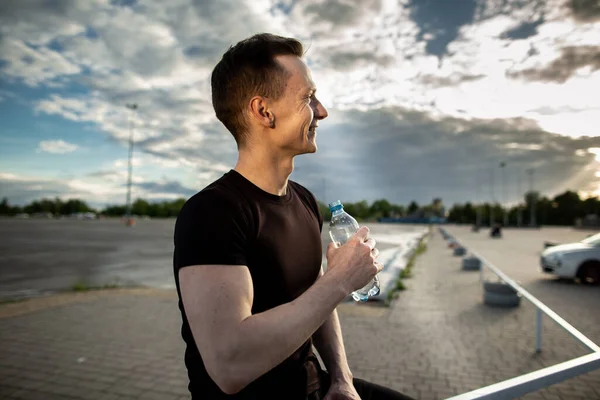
x,y
320,111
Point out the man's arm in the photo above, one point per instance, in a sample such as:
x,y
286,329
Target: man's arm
x,y
236,346
330,345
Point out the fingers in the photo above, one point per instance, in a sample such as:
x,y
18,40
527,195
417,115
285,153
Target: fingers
x,y
379,266
371,243
375,253
362,233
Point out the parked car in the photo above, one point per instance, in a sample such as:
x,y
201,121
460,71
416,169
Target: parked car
x,y
574,260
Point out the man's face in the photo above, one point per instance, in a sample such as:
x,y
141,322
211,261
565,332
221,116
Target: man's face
x,y
298,111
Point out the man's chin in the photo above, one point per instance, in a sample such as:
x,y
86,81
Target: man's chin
x,y
311,148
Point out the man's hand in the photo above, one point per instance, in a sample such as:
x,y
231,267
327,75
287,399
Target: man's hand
x,y
353,264
342,391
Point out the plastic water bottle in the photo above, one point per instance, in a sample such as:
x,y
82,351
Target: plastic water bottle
x,y
341,228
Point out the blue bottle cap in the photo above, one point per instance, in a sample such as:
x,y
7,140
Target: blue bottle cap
x,y
336,205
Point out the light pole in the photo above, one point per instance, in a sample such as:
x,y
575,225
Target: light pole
x,y
519,194
504,197
478,199
129,220
492,204
532,221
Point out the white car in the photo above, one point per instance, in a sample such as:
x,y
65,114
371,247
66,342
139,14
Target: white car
x,y
574,260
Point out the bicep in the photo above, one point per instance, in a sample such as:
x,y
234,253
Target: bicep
x,y
216,299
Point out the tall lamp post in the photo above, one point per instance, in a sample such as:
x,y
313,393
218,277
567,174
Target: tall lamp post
x,y
128,219
519,196
504,197
493,203
478,199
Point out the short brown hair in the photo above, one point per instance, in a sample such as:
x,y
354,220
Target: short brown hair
x,y
248,69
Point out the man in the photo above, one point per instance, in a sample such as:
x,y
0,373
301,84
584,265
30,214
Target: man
x,y
247,257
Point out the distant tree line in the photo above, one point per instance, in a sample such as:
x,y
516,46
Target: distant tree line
x,y
163,209
564,209
382,208
362,210
58,207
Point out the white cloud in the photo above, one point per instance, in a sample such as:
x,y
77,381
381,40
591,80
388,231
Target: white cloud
x,y
57,147
34,66
524,146
365,56
372,58
39,22
595,151
479,50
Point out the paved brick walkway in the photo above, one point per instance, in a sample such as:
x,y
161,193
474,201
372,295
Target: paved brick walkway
x,y
439,340
435,341
112,345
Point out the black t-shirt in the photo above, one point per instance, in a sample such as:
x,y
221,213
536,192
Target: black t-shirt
x,y
234,222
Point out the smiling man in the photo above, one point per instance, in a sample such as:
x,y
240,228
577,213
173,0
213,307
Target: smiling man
x,y
247,258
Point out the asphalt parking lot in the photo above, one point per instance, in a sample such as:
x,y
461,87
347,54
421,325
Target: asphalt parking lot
x,y
517,254
42,256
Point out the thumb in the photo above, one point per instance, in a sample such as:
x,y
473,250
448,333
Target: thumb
x,y
331,247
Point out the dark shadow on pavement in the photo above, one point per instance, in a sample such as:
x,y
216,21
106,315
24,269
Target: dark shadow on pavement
x,y
486,314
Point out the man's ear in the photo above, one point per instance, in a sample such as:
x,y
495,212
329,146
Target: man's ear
x,y
259,111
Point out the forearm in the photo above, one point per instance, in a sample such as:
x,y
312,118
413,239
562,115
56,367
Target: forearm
x,y
264,340
330,344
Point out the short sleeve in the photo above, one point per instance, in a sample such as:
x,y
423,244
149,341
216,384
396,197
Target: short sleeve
x,y
211,229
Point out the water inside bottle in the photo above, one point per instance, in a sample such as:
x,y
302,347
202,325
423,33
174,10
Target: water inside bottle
x,y
341,234
343,227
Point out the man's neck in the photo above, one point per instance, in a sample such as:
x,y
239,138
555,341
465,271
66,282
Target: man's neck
x,y
267,171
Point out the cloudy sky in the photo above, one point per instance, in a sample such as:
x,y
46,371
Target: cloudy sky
x,y
426,97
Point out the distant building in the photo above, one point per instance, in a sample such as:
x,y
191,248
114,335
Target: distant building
x,y
590,221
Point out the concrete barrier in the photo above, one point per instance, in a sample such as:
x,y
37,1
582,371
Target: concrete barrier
x,y
471,264
460,251
499,294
